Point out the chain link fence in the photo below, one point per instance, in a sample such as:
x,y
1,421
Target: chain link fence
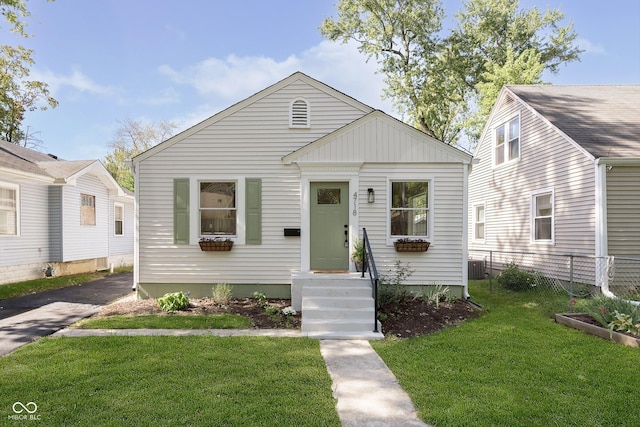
x,y
559,276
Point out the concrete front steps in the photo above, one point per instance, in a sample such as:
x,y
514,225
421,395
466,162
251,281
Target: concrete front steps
x,y
337,306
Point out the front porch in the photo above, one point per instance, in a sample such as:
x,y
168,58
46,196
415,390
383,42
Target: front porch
x,y
335,306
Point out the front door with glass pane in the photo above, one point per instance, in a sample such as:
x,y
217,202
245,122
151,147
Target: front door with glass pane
x,y
329,226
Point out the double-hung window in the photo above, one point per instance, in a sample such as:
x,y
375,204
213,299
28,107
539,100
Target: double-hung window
x,y
8,209
118,218
507,142
478,222
542,217
409,211
218,208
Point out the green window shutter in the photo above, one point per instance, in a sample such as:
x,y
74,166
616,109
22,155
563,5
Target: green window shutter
x,y
253,211
181,211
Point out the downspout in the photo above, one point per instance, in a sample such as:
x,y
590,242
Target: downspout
x,y
602,271
466,169
136,232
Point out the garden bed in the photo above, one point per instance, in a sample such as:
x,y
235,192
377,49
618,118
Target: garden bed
x,y
584,322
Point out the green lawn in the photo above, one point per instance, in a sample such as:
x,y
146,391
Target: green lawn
x,y
169,381
514,366
155,321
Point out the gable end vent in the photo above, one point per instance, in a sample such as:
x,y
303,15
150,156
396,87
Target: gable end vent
x,y
299,114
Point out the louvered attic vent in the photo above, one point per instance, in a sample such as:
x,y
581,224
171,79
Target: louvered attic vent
x,y
299,114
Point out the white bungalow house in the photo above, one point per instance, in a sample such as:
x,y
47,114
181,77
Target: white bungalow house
x,y
60,217
559,173
292,175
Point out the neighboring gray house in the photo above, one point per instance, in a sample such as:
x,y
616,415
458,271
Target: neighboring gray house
x,y
291,175
68,215
558,172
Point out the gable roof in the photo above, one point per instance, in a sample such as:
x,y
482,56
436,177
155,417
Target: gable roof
x,y
603,120
24,162
250,100
410,145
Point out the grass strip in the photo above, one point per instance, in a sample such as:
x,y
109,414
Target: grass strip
x,y
14,290
169,381
157,321
514,366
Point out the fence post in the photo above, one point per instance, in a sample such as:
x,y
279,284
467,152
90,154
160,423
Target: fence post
x,y
490,271
571,293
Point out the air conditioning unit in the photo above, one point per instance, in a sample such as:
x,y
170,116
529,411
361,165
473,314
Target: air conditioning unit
x,y
476,269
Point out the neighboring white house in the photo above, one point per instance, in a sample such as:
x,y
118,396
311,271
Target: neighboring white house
x,y
559,173
291,175
70,216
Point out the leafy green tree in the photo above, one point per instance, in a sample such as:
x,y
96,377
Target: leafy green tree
x,y
131,139
443,81
18,94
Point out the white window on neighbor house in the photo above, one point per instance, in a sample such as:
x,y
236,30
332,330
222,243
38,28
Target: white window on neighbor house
x,y
218,208
9,215
478,223
542,225
299,114
118,219
87,209
506,142
409,211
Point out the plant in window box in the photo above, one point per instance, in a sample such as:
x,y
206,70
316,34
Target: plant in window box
x,y
215,244
406,244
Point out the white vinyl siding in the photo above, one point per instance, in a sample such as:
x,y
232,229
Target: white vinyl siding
x,y
547,160
247,143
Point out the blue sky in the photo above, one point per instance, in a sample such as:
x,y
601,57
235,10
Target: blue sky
x,y
111,60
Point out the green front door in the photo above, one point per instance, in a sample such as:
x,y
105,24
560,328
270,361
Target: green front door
x,y
329,225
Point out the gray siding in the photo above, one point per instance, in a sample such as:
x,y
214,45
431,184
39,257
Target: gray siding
x,y
32,244
547,161
623,211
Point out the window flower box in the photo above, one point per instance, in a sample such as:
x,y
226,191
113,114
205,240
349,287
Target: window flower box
x,y
411,245
215,244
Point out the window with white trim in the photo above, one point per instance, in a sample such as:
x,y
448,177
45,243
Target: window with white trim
x,y
409,209
118,218
299,114
8,209
506,142
542,226
87,209
218,208
478,222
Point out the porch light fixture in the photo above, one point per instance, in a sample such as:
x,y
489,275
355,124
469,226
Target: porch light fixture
x,y
372,195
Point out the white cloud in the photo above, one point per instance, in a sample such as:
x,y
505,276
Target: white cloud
x,y
223,82
165,97
77,80
589,47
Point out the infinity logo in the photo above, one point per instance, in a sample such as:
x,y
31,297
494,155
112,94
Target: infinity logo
x,y
30,407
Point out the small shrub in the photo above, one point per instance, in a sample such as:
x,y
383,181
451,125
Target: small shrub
x,y
392,290
222,293
261,299
434,293
515,279
173,301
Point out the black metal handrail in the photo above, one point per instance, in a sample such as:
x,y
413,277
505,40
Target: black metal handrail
x,y
369,264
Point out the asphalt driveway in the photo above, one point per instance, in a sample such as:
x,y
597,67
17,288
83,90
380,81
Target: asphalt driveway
x,y
97,292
